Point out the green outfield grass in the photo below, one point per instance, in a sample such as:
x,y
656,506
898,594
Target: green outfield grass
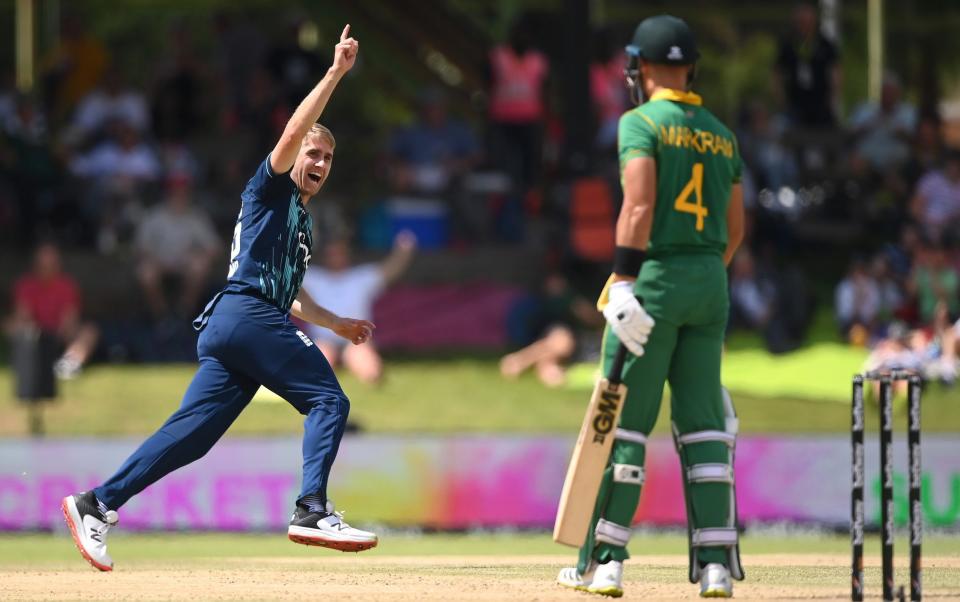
x,y
56,549
803,392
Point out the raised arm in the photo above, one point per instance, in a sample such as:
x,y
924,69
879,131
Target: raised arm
x,y
285,152
400,257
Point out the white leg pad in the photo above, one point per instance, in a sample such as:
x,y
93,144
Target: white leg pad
x,y
612,533
631,436
701,436
710,473
718,536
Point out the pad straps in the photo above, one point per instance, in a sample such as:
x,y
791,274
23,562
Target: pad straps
x,y
612,533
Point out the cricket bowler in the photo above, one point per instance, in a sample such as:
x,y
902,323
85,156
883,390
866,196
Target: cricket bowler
x,y
247,340
666,300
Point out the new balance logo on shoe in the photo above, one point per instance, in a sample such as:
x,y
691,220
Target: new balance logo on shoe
x,y
327,528
339,526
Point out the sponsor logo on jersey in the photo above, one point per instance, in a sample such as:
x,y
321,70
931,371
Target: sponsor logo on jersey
x,y
306,340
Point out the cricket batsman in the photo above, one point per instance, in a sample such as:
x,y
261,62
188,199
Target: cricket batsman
x,y
247,340
680,224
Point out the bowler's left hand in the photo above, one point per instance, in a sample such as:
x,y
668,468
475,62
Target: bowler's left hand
x,y
355,331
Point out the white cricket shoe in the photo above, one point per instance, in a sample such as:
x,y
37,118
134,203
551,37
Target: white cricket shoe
x,y
89,524
328,529
603,579
715,581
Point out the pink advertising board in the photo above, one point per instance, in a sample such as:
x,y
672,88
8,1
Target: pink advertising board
x,y
454,482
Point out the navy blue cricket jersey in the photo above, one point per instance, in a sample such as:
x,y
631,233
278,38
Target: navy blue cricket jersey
x,y
271,242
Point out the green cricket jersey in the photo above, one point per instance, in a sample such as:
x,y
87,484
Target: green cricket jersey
x,y
697,163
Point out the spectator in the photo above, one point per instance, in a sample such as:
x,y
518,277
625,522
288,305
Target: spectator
x,y
927,149
934,282
762,148
344,290
517,109
882,131
26,121
178,101
900,256
808,71
32,171
115,175
72,68
175,240
950,341
48,300
112,101
428,156
891,292
239,53
773,301
558,320
120,160
908,350
607,90
936,202
8,95
752,297
858,304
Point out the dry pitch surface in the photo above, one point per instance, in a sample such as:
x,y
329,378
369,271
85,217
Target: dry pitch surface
x,y
479,567
409,578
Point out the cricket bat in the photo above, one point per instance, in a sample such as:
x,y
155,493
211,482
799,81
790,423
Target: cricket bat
x,y
590,456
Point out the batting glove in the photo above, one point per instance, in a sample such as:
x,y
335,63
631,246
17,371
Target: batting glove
x,y
627,318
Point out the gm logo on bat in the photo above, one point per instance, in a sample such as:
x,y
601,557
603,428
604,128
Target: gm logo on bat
x,y
603,422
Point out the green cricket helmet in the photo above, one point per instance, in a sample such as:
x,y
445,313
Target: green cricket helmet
x,y
663,39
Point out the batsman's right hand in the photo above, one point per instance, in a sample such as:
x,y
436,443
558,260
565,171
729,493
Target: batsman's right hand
x,y
627,318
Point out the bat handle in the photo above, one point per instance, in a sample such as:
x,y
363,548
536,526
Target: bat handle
x,y
616,368
615,374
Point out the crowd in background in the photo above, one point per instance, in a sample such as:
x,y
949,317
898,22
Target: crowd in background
x,y
152,172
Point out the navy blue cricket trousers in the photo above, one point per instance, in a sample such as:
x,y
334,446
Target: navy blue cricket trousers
x,y
246,343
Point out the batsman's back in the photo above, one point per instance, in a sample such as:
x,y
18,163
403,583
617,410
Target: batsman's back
x,y
697,164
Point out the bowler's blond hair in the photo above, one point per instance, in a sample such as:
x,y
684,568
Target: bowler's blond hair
x,y
322,131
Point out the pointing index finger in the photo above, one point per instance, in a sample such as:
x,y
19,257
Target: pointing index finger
x,y
345,33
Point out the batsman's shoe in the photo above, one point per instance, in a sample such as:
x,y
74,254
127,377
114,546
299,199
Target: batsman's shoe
x,y
603,579
328,529
89,523
715,581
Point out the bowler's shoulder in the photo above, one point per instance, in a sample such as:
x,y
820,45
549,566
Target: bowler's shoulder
x,y
265,185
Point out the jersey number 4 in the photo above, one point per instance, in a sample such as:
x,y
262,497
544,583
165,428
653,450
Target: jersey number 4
x,y
693,187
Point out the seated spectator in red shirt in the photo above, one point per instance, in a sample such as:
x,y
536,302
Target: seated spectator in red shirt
x,y
48,300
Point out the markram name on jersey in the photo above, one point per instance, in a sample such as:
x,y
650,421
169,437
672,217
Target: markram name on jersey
x,y
697,164
701,141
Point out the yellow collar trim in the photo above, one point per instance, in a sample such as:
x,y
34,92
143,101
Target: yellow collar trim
x,y
677,95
